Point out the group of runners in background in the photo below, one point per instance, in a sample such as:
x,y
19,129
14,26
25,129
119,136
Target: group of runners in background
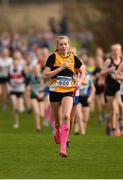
x,y
62,88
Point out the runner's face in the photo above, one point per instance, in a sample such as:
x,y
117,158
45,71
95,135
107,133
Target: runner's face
x,y
17,58
116,51
63,46
16,62
17,55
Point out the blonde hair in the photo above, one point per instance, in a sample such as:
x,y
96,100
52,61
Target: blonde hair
x,y
118,46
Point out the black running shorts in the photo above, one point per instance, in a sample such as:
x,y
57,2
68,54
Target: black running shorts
x,y
57,97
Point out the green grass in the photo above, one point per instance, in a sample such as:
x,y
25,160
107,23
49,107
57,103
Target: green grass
x,y
27,154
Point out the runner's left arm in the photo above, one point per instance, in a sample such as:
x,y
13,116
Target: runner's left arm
x,y
118,76
82,70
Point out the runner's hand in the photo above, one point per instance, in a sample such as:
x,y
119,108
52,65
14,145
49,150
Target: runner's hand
x,y
77,84
89,100
65,65
111,69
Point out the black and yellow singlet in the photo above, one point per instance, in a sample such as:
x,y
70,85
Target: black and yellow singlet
x,y
63,81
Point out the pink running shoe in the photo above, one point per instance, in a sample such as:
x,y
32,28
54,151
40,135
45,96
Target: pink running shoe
x,y
63,152
57,136
117,133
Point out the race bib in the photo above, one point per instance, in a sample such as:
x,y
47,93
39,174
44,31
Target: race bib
x,y
63,81
14,83
82,90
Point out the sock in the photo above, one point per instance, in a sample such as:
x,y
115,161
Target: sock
x,y
64,135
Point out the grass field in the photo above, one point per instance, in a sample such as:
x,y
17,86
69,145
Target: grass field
x,y
27,154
